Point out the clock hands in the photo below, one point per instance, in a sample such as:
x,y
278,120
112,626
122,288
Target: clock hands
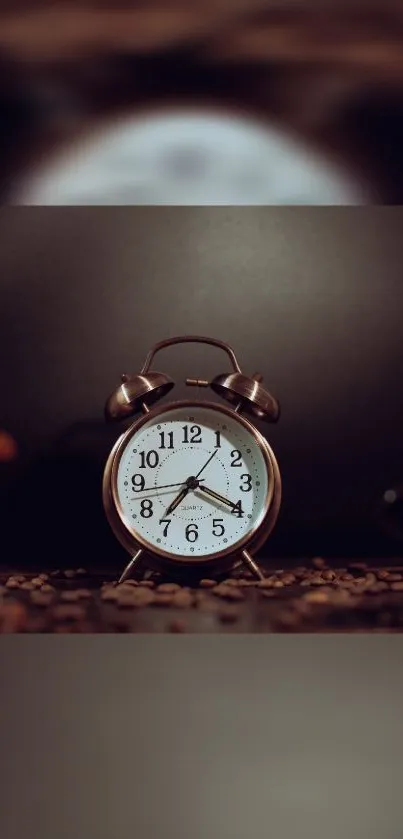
x,y
194,482
164,486
217,496
175,503
206,464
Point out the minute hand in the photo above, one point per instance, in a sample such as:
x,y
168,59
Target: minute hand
x,y
217,496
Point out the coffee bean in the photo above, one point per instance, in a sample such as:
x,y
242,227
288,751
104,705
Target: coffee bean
x,y
397,586
27,586
130,583
168,588
68,613
46,587
147,583
70,573
40,598
395,578
329,575
317,597
163,599
13,617
206,583
319,562
288,619
228,592
69,596
182,599
37,581
109,594
288,579
228,614
137,597
83,593
177,626
382,574
267,583
10,583
231,582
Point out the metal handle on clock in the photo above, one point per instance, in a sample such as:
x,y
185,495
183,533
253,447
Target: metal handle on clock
x,y
191,339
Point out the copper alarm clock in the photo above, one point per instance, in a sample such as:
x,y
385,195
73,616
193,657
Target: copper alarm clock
x,y
192,486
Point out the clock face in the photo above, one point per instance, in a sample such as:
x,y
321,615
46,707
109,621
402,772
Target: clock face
x,y
198,157
207,462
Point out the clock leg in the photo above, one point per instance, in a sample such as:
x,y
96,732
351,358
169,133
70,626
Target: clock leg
x,y
130,565
251,564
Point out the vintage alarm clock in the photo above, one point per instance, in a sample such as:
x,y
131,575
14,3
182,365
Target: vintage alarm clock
x,y
192,487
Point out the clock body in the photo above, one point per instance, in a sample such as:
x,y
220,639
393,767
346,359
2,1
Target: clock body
x,y
214,465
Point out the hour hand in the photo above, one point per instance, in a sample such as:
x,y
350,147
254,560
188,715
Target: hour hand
x,y
217,496
175,503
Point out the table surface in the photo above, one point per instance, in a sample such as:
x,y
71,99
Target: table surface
x,y
315,597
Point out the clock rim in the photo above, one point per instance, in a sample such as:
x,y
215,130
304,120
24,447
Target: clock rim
x,y
160,560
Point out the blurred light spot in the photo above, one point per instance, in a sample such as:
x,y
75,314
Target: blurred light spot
x,y
8,447
190,157
390,496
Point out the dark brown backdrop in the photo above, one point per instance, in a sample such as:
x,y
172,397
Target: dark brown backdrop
x,y
311,297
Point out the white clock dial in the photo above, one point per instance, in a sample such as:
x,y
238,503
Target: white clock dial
x,y
207,461
190,156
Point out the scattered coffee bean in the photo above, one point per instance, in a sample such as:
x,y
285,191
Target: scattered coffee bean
x,y
268,582
177,626
329,575
229,614
228,592
288,579
397,586
147,583
168,588
358,566
46,587
206,583
395,578
69,596
10,583
28,586
68,613
319,562
109,594
37,581
83,593
13,617
40,598
316,597
163,599
183,599
136,597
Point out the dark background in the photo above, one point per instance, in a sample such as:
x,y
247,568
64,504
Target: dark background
x,y
312,298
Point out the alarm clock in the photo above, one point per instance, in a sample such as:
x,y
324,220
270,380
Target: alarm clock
x,y
192,487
